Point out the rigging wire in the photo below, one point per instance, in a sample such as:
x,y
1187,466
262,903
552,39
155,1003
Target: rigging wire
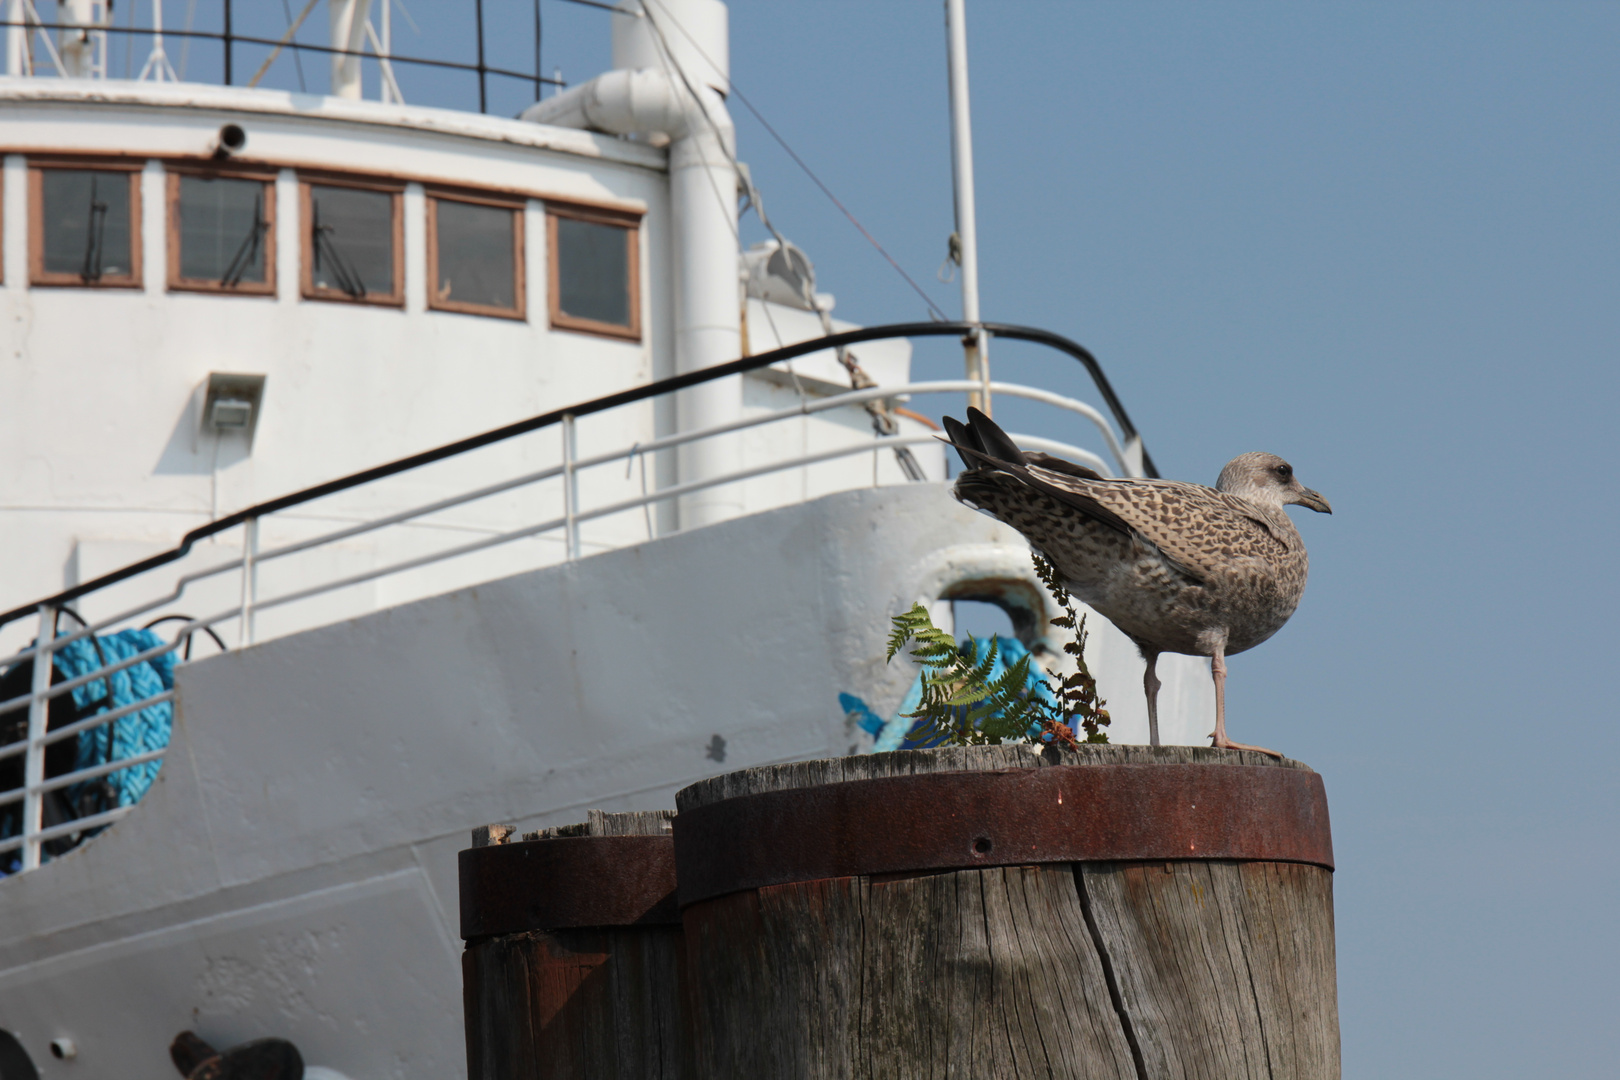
x,y
298,61
938,312
668,58
405,11
185,47
935,311
292,32
883,421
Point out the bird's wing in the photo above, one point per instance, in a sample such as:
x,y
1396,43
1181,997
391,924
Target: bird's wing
x,y
1198,528
1067,489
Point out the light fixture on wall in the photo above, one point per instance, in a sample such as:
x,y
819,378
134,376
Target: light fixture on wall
x,y
231,404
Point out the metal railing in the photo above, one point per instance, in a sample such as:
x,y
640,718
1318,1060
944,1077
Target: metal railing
x,y
1124,446
33,24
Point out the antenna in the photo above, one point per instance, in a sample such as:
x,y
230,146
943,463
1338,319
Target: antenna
x,y
157,66
974,346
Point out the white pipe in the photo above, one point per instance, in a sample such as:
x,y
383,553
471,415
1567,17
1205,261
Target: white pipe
x,y
16,39
708,324
348,22
682,104
967,230
643,102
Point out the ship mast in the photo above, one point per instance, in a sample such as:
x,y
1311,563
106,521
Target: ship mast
x,y
974,346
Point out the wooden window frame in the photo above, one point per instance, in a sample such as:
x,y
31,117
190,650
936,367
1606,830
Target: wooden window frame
x,y
518,206
247,288
308,289
630,221
37,274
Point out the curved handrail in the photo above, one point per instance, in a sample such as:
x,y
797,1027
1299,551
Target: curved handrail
x,y
601,404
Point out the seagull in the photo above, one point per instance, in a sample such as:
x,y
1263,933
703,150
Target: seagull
x,y
1178,567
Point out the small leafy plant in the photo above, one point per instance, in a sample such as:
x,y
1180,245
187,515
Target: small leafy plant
x,y
963,705
1077,693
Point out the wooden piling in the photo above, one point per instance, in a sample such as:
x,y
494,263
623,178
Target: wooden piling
x,y
988,912
572,968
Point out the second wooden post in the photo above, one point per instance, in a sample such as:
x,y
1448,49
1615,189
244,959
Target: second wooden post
x,y
573,962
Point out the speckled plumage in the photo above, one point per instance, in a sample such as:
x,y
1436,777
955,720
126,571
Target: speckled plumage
x,y
1179,567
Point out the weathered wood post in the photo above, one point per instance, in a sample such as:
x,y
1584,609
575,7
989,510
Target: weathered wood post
x,y
987,912
574,952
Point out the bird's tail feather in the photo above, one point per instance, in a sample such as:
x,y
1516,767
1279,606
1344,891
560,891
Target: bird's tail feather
x,y
967,445
984,443
981,442
995,442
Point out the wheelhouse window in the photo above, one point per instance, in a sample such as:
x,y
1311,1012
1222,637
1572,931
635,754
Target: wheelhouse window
x,y
222,234
353,243
85,225
475,255
594,270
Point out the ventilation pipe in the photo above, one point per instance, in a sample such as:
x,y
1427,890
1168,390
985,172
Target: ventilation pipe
x,y
671,69
16,38
81,41
349,35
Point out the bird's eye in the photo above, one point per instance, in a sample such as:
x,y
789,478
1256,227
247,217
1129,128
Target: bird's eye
x,y
1285,471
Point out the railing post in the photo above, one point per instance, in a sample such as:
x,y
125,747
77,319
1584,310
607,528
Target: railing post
x,y
250,579
570,452
38,716
483,96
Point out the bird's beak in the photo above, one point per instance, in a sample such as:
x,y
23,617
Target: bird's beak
x,y
1314,500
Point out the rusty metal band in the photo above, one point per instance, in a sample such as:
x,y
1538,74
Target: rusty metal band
x,y
1015,817
569,882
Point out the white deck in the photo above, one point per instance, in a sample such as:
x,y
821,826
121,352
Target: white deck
x,y
103,455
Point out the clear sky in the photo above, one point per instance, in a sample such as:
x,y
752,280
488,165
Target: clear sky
x,y
1380,239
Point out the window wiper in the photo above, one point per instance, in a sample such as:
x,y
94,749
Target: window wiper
x,y
249,249
324,246
97,228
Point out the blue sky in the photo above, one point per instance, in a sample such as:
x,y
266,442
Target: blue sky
x,y
1380,239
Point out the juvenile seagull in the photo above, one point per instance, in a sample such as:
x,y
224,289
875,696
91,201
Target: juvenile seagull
x,y
1178,567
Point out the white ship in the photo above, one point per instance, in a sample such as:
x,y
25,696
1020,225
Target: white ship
x,y
398,427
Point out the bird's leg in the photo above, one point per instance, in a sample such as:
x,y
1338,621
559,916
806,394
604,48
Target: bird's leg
x,y
1217,668
1150,683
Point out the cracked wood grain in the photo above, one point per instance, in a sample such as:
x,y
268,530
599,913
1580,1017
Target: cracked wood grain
x,y
976,973
1219,970
1225,969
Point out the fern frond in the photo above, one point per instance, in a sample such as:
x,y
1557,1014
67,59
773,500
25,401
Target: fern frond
x,y
962,703
913,623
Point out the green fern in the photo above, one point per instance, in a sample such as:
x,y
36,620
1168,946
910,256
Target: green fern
x,y
963,706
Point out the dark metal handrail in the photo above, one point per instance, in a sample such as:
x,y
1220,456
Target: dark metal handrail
x,y
601,404
232,39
